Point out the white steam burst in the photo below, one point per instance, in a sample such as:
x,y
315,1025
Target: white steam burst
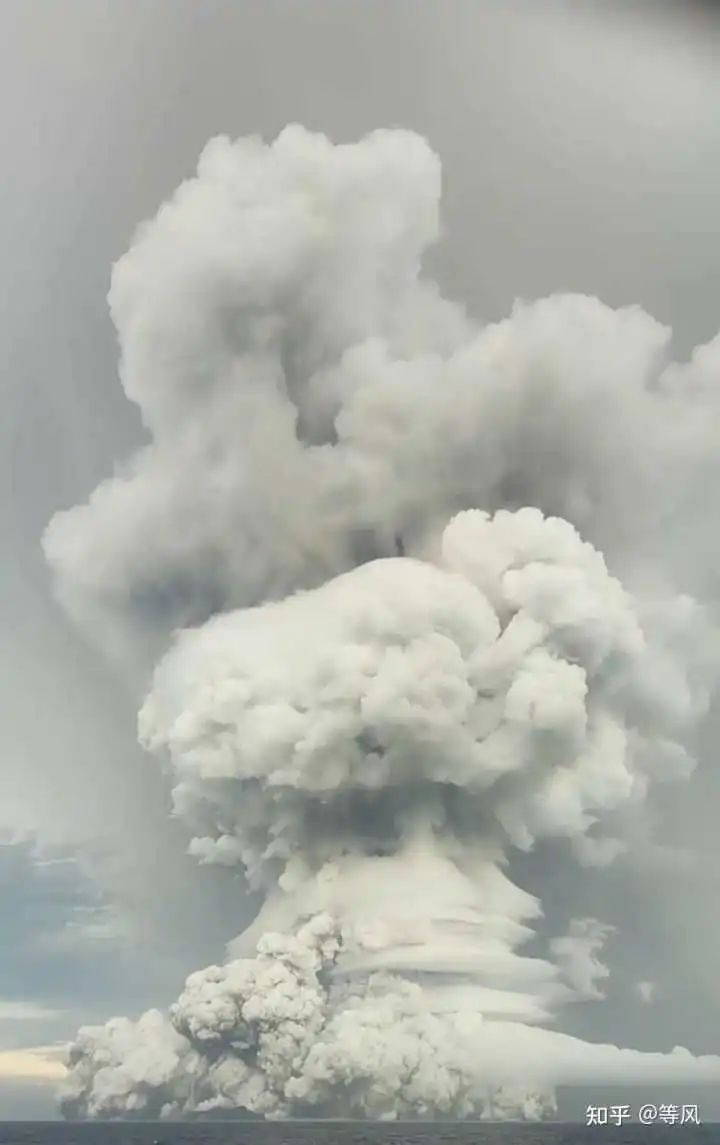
x,y
398,670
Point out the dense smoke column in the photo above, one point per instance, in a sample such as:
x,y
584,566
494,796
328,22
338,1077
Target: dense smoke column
x,y
311,400
392,670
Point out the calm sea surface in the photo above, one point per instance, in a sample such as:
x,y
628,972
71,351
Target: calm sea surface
x,y
343,1133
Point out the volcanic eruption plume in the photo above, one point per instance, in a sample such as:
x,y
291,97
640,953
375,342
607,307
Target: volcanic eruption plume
x,y
418,600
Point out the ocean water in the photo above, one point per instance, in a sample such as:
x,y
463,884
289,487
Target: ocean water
x,y
346,1133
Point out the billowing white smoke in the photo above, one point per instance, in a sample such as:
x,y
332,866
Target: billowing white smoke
x,y
410,670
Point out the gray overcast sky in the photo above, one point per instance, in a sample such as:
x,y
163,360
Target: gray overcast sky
x,y
580,144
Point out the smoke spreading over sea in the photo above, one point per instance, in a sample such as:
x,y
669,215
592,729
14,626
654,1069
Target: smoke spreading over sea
x,y
404,594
